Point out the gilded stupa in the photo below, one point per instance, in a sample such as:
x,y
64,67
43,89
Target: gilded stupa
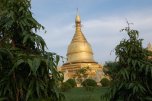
x,y
80,55
149,47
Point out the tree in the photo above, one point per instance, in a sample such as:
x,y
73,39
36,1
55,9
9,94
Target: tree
x,y
72,82
110,68
89,82
105,82
133,79
24,63
65,86
82,74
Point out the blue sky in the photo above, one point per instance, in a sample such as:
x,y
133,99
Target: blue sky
x,y
102,21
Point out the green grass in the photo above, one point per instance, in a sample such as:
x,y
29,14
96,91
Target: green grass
x,y
81,94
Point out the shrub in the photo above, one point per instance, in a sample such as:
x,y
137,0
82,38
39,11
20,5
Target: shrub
x,y
105,82
65,86
72,82
89,82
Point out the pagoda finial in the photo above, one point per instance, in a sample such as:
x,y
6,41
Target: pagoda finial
x,y
77,11
77,19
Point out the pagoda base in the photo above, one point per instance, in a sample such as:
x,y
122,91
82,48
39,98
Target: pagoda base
x,y
94,70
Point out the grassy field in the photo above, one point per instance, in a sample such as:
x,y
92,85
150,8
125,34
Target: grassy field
x,y
81,94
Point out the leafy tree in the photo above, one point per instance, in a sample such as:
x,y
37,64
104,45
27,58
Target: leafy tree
x,y
66,86
89,82
24,63
82,74
72,82
105,82
133,81
111,68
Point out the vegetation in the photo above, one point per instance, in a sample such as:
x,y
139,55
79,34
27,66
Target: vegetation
x,y
24,63
65,86
133,80
72,82
110,69
81,74
105,82
89,82
80,94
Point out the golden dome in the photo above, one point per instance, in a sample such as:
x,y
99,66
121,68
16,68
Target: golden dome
x,y
79,49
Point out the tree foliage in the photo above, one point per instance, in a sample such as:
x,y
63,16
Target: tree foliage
x,y
133,79
82,74
110,69
24,63
65,86
89,82
72,82
105,82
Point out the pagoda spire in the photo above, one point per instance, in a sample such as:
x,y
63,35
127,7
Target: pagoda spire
x,y
78,36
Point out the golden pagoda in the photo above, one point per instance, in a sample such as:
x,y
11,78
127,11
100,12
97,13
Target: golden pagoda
x,y
80,55
149,47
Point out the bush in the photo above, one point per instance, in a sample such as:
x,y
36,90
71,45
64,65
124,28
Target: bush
x,y
72,82
105,82
65,86
89,82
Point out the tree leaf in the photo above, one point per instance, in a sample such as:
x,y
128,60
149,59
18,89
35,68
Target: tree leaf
x,y
34,64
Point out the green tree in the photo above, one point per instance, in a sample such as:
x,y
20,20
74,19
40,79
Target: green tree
x,y
24,63
82,74
111,68
89,82
133,81
72,82
65,86
105,82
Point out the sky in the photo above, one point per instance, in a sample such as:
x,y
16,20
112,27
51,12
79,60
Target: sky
x,y
101,20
